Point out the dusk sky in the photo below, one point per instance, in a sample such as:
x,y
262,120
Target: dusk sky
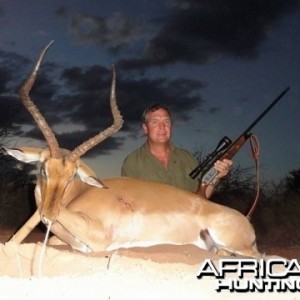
x,y
216,63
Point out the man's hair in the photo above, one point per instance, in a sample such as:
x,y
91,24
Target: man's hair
x,y
153,108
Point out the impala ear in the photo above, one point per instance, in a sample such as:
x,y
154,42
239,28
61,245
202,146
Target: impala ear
x,y
26,155
88,176
93,181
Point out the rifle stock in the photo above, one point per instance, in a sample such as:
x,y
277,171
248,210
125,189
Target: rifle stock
x,y
227,150
235,147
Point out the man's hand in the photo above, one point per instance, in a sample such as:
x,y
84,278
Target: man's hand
x,y
223,167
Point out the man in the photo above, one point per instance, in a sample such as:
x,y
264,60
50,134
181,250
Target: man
x,y
160,160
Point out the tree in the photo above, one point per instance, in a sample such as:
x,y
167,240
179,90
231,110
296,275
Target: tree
x,y
292,181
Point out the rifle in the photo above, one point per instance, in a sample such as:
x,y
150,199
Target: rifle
x,y
225,149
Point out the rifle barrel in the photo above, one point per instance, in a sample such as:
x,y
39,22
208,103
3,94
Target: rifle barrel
x,y
266,111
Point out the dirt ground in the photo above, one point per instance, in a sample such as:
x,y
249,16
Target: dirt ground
x,y
29,271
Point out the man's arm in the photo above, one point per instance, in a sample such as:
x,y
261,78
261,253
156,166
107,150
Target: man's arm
x,y
223,167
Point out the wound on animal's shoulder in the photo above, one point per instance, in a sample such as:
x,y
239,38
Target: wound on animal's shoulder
x,y
125,203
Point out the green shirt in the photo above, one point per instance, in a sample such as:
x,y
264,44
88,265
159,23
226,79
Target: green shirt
x,y
144,165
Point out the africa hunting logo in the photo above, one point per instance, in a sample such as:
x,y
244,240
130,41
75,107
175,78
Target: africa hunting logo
x,y
251,275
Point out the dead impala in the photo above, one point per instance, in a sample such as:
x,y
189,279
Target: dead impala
x,y
93,215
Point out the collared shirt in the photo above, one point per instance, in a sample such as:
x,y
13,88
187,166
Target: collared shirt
x,y
144,165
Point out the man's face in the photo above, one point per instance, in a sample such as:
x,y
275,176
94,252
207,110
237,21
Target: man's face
x,y
158,126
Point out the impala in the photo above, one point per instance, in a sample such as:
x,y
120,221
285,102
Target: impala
x,y
93,215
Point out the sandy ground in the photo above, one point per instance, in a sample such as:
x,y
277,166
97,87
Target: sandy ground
x,y
29,271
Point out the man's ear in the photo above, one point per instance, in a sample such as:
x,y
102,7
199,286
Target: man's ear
x,y
145,129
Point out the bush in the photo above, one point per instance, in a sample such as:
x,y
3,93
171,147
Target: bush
x,y
17,193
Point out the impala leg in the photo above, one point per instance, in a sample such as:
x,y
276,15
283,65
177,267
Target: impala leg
x,y
63,236
212,246
224,252
209,242
236,245
82,232
23,232
55,241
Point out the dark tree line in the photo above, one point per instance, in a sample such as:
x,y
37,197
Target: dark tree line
x,y
16,192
